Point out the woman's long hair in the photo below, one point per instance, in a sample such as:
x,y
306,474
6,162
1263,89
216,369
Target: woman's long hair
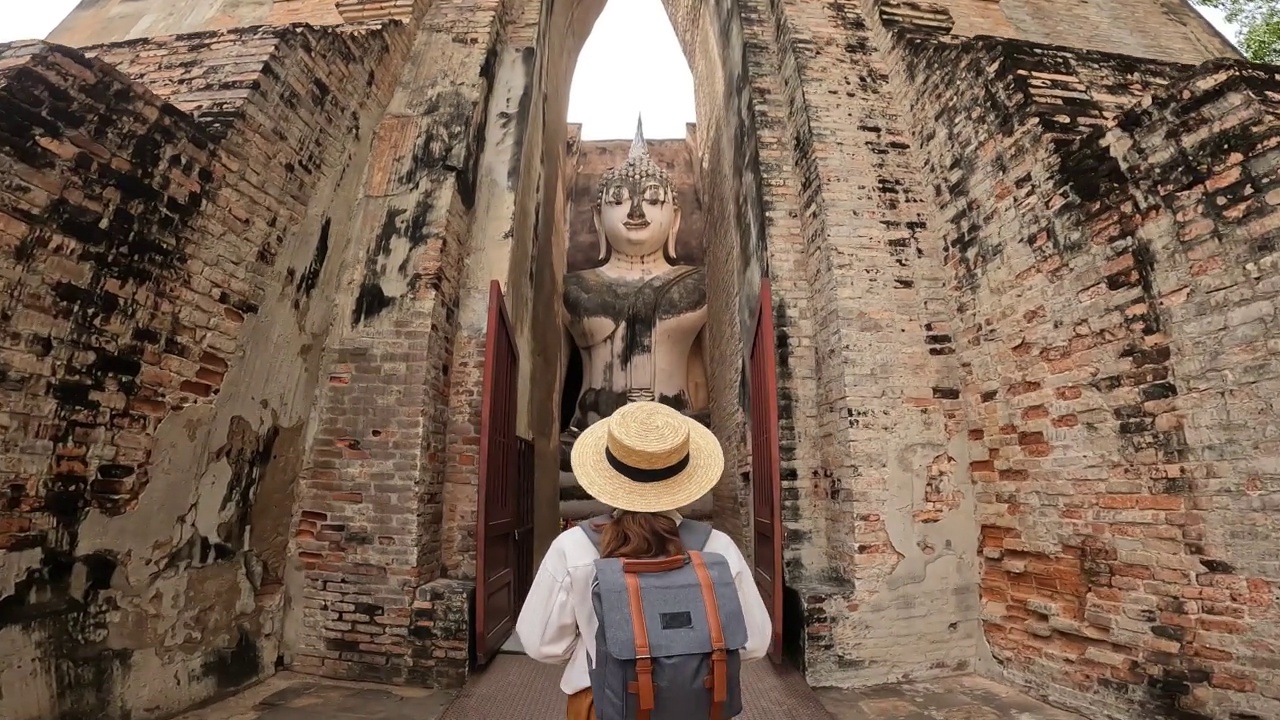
x,y
640,535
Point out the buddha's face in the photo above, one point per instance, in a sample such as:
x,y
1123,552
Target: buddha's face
x,y
637,218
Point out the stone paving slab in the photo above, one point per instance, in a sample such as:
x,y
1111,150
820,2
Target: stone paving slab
x,y
963,697
292,696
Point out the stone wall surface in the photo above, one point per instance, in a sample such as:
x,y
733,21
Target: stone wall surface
x,y
1105,220
160,353
880,540
103,21
1170,30
387,502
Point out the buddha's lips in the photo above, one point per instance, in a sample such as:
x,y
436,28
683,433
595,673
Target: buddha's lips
x,y
636,225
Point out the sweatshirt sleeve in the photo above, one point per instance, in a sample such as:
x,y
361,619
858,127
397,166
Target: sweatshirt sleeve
x,y
546,627
759,624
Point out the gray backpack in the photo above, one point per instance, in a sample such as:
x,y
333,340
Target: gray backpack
x,y
669,636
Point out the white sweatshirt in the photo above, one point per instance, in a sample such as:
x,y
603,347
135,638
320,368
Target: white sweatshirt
x,y
558,622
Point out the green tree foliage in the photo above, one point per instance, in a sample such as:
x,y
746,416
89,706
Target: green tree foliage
x,y
1259,23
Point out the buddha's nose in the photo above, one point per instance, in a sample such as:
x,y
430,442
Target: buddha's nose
x,y
637,211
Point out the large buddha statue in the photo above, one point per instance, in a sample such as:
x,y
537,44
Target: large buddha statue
x,y
635,318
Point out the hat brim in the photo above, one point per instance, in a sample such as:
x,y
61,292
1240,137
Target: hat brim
x,y
597,477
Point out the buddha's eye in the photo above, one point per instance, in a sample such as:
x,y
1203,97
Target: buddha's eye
x,y
617,195
653,194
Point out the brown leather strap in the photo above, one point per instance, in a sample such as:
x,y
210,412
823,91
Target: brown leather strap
x,y
655,565
644,664
719,651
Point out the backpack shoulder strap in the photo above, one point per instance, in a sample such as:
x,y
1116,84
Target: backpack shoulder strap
x,y
588,527
694,534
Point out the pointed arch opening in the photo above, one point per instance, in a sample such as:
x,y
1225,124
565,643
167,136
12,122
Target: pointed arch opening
x,y
630,66
634,286
681,67
709,260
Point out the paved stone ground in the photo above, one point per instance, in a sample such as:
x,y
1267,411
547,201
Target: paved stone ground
x,y
291,696
516,688
964,697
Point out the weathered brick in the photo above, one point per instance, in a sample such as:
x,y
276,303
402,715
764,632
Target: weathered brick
x,y
149,235
1022,301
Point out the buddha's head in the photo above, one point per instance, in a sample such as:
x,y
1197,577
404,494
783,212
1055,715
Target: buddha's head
x,y
636,211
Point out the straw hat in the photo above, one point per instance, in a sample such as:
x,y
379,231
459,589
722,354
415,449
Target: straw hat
x,y
646,457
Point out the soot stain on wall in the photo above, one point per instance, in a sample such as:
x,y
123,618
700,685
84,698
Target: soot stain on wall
x,y
237,666
446,144
127,231
306,282
399,225
518,125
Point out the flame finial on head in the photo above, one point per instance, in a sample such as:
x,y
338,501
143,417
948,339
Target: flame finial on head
x,y
638,146
636,170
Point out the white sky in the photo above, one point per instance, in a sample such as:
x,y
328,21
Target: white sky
x,y
632,63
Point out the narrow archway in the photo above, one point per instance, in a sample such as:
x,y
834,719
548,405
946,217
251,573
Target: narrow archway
x,y
533,81
726,170
630,80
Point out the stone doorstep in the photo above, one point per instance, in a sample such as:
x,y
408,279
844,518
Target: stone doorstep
x,y
513,646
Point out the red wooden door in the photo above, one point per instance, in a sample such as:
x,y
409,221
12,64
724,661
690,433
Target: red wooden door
x,y
766,473
505,491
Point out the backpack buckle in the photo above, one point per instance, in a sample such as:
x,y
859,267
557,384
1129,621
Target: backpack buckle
x,y
644,680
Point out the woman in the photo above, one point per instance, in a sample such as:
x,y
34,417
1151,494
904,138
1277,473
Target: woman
x,y
645,460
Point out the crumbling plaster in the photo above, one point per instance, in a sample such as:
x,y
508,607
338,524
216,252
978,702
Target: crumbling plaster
x,y
179,595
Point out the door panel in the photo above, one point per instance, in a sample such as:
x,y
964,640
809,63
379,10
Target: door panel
x,y
766,475
504,498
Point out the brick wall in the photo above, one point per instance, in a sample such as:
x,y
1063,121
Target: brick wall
x,y
106,21
153,257
387,503
896,502
1170,30
1079,241
103,21
315,12
894,190
748,191
1220,586
333,12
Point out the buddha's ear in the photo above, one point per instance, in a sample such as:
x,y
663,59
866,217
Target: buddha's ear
x,y
602,252
675,232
